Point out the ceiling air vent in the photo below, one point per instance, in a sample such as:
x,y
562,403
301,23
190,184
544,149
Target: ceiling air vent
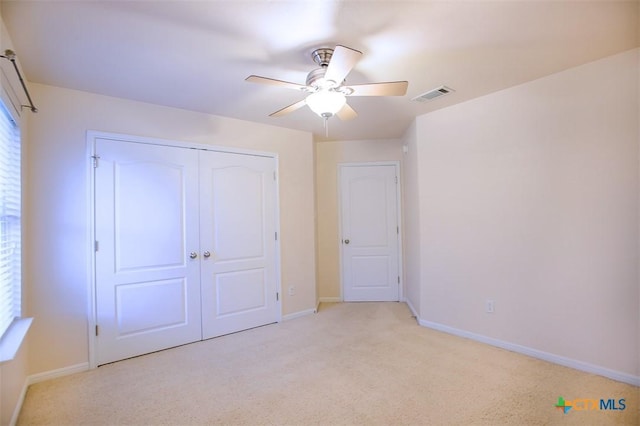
x,y
433,94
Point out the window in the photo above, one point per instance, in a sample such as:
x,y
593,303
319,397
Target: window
x,y
10,238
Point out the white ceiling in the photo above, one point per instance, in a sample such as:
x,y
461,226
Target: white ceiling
x,y
196,54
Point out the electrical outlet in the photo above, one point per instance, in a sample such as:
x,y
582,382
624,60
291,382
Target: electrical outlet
x,y
292,291
489,306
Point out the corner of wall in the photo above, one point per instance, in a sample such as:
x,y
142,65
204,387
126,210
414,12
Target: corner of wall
x,y
411,229
315,222
638,148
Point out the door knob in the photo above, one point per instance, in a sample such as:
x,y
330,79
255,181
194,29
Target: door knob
x,y
206,254
193,255
346,241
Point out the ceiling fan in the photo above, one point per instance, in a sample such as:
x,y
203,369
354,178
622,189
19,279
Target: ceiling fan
x,y
326,86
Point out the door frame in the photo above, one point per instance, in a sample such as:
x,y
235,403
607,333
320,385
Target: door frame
x,y
91,137
395,164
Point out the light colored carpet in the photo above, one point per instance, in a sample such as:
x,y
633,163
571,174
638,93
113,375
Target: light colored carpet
x,y
363,363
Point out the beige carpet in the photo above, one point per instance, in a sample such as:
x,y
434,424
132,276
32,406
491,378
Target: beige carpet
x,y
364,363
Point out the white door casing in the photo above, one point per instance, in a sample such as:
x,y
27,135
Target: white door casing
x,y
157,210
370,232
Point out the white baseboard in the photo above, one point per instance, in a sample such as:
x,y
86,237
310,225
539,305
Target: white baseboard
x,y
535,353
41,377
298,314
18,407
329,300
60,372
412,309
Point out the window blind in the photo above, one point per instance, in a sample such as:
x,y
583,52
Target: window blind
x,y
10,235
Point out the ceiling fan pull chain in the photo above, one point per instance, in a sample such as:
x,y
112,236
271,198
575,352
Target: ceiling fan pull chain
x,y
326,127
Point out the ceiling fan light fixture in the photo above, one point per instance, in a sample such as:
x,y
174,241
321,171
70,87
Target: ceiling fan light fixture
x,y
326,103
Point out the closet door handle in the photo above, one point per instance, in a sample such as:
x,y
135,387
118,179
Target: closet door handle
x,y
206,254
193,255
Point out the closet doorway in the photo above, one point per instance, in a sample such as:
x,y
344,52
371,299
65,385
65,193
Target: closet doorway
x,y
185,245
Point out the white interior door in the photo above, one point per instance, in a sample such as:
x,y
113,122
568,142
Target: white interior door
x,y
370,240
146,225
238,239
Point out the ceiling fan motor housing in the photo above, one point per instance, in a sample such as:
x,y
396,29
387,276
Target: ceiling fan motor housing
x,y
322,56
315,79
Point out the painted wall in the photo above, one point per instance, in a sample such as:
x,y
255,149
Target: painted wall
x,y
57,193
13,377
529,197
13,374
328,156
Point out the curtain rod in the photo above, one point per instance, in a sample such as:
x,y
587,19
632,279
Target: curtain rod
x,y
11,55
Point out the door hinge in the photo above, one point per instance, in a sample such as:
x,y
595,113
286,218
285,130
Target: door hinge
x,y
276,236
95,160
274,175
398,279
96,329
396,179
398,230
96,245
277,296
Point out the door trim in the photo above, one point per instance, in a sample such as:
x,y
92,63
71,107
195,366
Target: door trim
x,y
396,164
91,137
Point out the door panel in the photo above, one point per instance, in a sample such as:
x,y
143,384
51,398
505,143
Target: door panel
x,y
370,248
237,225
240,291
159,191
372,271
146,221
237,204
367,204
150,306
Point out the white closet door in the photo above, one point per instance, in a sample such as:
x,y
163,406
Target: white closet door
x,y
237,231
146,222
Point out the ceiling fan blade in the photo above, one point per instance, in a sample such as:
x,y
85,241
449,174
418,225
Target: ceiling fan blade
x,y
342,62
288,109
346,113
274,82
392,88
